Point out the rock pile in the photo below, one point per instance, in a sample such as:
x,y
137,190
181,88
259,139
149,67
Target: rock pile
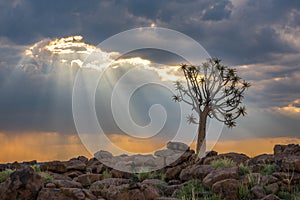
x,y
224,176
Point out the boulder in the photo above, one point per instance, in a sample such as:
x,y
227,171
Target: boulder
x,y
52,194
88,179
151,192
288,177
73,174
271,197
195,172
66,184
75,164
290,149
268,179
65,193
272,188
235,157
120,174
173,172
177,146
220,174
261,159
30,163
21,184
54,166
57,176
291,163
154,182
105,183
103,155
227,189
83,159
258,192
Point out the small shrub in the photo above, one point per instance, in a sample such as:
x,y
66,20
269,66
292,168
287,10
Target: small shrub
x,y
294,194
150,175
244,192
194,190
253,180
5,174
268,169
47,177
36,168
224,162
106,174
243,170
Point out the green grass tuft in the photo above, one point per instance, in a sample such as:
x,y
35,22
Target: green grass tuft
x,y
106,174
244,193
268,169
224,162
243,170
194,190
5,174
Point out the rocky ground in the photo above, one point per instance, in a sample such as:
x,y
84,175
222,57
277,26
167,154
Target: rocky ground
x,y
224,176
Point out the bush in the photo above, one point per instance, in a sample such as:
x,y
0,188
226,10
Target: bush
x,y
106,174
5,174
253,180
224,162
294,194
47,177
244,193
36,168
194,190
150,175
268,169
243,170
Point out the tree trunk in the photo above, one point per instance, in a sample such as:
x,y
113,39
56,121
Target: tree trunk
x,y
201,142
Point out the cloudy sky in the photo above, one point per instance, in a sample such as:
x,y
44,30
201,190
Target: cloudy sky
x,y
39,58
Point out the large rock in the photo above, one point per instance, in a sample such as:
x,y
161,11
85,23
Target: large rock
x,y
173,172
22,184
195,172
65,193
177,146
272,188
227,189
151,192
261,159
290,149
258,192
288,177
103,155
283,152
66,184
235,157
54,166
291,163
75,164
154,182
220,174
88,179
52,194
105,183
57,176
271,197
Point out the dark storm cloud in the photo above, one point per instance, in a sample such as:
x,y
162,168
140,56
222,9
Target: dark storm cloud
x,y
239,34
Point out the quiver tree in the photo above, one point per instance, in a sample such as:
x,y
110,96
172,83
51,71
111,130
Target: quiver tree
x,y
212,90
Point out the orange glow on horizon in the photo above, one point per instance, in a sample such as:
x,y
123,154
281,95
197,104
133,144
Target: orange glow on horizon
x,y
54,146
